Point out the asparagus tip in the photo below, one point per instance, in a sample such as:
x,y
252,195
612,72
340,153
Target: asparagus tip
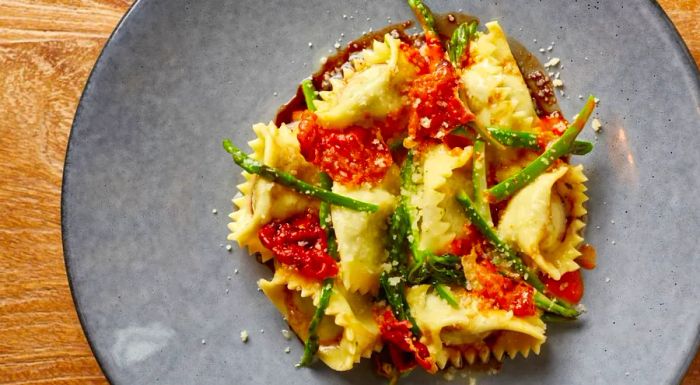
x,y
228,146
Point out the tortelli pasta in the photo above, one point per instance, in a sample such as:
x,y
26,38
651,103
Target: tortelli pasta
x,y
420,208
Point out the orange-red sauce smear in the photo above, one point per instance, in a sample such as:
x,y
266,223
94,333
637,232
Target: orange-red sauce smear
x,y
300,242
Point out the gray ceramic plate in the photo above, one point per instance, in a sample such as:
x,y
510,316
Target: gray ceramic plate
x,y
159,297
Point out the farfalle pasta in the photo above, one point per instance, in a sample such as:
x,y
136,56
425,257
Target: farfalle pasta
x,y
545,219
420,209
460,334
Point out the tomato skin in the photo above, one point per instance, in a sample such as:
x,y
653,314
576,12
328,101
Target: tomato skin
x,y
351,156
569,287
300,242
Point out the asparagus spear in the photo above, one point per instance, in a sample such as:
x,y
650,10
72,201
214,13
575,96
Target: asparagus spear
x,y
409,188
510,256
581,147
512,261
424,15
479,173
555,306
459,42
551,318
311,345
324,216
444,293
456,48
392,282
309,91
529,140
559,148
255,167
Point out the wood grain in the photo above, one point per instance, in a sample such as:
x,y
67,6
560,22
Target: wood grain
x,y
47,48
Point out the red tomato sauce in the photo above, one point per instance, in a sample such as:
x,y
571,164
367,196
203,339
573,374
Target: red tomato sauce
x,y
554,123
470,238
405,350
414,57
432,50
435,105
503,292
300,242
351,156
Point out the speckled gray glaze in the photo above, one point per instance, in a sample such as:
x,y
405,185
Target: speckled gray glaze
x,y
161,299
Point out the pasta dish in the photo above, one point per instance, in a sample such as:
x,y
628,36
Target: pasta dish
x,y
419,205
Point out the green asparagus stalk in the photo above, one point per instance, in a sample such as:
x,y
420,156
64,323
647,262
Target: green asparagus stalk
x,y
456,48
395,296
424,15
459,42
444,293
324,216
408,189
581,147
479,173
312,343
309,91
555,306
393,282
512,261
528,140
559,148
552,318
510,256
445,269
253,166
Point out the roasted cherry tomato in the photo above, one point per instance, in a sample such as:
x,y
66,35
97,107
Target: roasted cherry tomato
x,y
353,155
436,108
404,348
569,287
300,242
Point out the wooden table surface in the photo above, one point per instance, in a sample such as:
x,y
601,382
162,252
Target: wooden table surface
x,y
47,48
